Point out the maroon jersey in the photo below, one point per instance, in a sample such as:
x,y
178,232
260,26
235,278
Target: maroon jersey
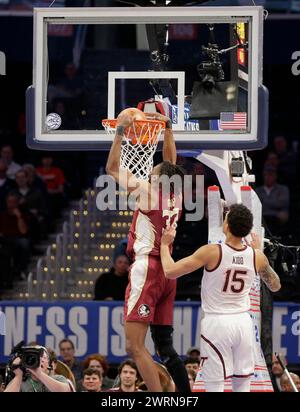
x,y
146,228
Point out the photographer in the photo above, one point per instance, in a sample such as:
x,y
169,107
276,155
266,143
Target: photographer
x,y
38,379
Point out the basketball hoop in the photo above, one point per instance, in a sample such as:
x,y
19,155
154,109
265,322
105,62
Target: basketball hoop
x,y
139,145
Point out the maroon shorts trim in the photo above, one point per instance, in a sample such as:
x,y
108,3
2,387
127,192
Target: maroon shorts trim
x,y
218,353
243,376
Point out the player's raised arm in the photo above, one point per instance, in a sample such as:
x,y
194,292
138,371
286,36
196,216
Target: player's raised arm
x,y
267,274
123,176
113,161
184,266
169,147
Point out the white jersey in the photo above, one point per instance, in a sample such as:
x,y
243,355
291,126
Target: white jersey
x,y
226,288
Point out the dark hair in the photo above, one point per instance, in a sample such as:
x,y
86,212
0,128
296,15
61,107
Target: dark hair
x,y
191,360
130,363
169,169
240,220
22,171
66,341
91,371
120,255
52,355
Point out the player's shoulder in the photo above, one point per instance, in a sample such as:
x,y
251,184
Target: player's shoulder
x,y
212,256
211,248
214,246
209,251
260,258
258,252
259,255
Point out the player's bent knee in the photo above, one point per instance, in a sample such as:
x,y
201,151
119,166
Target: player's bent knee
x,y
165,351
162,338
167,355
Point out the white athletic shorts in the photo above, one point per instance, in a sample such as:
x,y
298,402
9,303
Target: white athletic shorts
x,y
226,346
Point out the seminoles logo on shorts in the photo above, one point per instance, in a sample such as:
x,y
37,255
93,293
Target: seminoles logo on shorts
x,y
144,311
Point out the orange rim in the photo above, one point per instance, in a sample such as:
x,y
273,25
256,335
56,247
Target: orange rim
x,y
113,123
146,130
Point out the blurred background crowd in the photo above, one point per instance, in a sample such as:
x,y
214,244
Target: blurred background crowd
x,y
37,189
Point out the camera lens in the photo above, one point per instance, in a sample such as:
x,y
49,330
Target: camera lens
x,y
208,81
31,361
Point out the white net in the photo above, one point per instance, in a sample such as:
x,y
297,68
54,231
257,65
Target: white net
x,y
138,146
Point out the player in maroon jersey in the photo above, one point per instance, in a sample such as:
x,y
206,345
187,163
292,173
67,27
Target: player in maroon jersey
x,y
150,296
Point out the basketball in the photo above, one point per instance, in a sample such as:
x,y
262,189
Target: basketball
x,y
137,114
138,132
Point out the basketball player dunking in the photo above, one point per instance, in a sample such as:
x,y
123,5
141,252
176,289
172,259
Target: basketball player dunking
x,y
149,298
226,344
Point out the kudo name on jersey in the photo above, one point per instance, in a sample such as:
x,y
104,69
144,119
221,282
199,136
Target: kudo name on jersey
x,y
237,260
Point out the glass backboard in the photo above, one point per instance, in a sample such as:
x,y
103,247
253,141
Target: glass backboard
x,y
204,64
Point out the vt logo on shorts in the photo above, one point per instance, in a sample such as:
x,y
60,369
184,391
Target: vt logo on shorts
x,y
144,311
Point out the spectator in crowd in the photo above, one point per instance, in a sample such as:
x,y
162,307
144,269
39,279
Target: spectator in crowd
x,y
275,199
277,372
71,83
40,379
66,121
192,364
34,180
128,377
287,161
60,368
32,200
14,229
286,384
54,179
7,155
120,249
271,161
98,362
92,380
65,97
112,285
193,352
192,377
68,87
67,353
6,184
